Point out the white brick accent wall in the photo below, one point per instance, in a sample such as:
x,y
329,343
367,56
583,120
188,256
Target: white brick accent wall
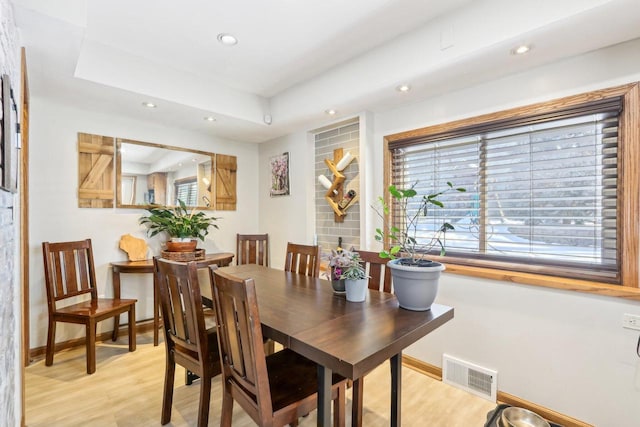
x,y
9,295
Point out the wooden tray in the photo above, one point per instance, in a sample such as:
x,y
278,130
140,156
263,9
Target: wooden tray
x,y
198,254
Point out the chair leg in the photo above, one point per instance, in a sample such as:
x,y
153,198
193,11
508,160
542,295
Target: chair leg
x,y
132,328
339,407
167,398
116,327
227,407
51,342
205,397
91,346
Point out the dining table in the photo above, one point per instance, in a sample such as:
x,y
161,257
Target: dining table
x,y
349,338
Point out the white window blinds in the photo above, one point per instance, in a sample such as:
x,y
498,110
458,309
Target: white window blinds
x,y
541,190
187,191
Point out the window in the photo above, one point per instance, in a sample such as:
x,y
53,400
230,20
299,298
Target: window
x,y
187,190
545,186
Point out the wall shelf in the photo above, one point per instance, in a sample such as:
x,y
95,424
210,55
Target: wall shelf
x,y
335,192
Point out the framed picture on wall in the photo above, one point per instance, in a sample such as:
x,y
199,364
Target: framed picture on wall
x,y
8,146
279,175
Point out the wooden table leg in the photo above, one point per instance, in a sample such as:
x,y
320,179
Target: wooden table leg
x,y
396,388
115,276
156,312
356,402
324,397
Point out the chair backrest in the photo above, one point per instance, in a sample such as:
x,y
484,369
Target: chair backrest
x,y
252,249
68,270
182,311
240,338
376,268
303,259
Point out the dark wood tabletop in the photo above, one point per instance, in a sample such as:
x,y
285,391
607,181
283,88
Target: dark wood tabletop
x,y
348,338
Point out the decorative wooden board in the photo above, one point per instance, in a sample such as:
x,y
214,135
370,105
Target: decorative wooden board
x,y
95,171
226,170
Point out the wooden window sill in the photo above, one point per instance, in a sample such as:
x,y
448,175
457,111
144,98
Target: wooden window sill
x,y
590,287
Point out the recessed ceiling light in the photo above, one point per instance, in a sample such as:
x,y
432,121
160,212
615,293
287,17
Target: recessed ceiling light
x,y
149,104
403,88
522,49
210,119
331,112
227,39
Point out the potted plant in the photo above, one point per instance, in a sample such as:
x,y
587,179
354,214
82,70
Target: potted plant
x,y
339,260
355,278
184,227
415,278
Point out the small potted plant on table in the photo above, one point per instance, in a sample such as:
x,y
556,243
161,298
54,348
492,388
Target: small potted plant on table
x,y
356,281
183,227
339,260
415,278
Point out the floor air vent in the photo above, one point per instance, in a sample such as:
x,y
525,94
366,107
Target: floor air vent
x,y
475,379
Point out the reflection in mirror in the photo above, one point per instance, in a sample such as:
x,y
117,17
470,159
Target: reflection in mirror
x,y
150,173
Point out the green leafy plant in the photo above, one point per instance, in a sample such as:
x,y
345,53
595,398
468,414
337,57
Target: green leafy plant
x,y
404,241
178,222
354,270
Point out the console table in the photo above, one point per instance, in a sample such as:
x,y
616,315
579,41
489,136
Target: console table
x,y
146,267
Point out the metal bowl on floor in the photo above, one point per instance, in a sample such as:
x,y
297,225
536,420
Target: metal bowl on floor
x,y
520,417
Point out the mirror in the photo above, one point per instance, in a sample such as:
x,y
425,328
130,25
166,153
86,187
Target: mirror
x,y
149,173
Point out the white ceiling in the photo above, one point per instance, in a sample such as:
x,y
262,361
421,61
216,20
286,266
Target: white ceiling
x,y
294,58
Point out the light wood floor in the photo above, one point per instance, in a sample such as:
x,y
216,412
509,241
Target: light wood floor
x,y
126,390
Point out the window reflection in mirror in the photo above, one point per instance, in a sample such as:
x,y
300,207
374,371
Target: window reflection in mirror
x,y
157,174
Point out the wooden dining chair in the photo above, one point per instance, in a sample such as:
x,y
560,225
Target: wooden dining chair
x,y
252,249
190,339
274,390
69,274
376,268
303,259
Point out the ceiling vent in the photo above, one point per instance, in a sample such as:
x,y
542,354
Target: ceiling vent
x,y
475,379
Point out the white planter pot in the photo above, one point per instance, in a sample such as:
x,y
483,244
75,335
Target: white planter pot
x,y
415,287
356,289
183,239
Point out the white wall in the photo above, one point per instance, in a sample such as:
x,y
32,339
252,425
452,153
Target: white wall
x,y
55,216
288,218
563,350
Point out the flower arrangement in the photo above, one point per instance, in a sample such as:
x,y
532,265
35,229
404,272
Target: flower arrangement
x,y
339,261
346,265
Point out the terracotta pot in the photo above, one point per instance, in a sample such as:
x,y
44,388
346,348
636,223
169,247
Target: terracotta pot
x,y
189,246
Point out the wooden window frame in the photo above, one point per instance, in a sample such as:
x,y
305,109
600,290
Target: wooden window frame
x,y
628,194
